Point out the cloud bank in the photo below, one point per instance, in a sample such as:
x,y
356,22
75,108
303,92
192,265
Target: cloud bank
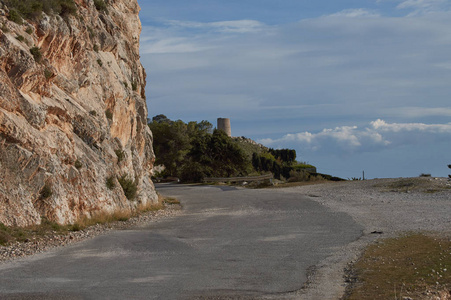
x,y
352,139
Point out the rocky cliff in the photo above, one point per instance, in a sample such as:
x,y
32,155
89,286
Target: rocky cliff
x,y
73,116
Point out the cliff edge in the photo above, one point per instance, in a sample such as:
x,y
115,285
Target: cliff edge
x,y
73,116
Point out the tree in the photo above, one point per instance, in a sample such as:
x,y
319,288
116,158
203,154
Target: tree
x,y
214,155
161,119
228,158
287,156
193,151
171,143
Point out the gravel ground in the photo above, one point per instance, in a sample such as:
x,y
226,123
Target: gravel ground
x,y
385,208
54,240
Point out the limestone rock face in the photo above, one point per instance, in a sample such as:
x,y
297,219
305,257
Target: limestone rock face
x,y
72,114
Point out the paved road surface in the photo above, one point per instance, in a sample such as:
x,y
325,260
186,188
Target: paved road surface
x,y
227,244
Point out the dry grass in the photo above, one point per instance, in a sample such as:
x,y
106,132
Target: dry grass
x,y
419,184
303,176
122,215
101,218
301,183
11,234
171,201
414,266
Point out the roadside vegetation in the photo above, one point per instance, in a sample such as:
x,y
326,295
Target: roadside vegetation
x,y
193,151
414,266
12,234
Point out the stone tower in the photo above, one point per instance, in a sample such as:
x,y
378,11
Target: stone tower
x,y
224,125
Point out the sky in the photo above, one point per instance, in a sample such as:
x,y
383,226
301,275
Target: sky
x,y
352,85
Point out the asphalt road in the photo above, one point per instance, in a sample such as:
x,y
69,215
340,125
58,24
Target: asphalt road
x,y
227,244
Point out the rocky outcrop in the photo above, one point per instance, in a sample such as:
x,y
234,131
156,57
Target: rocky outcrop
x,y
72,115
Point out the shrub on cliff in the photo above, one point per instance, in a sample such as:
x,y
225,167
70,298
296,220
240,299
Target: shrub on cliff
x,y
100,5
33,9
20,38
109,182
78,165
46,192
129,186
36,52
14,16
109,114
120,155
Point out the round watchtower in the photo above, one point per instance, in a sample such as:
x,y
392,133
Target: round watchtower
x,y
224,125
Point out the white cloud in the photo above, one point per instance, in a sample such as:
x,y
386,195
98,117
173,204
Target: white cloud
x,y
350,139
420,7
174,45
189,37
382,126
238,26
421,4
356,13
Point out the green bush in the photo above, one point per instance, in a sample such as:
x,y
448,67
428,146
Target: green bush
x,y
29,30
425,175
75,227
120,155
5,234
193,172
110,183
99,61
96,48
68,7
32,9
36,52
298,176
78,164
4,28
91,31
93,113
129,186
48,74
134,85
109,114
46,191
4,238
100,5
20,38
15,16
